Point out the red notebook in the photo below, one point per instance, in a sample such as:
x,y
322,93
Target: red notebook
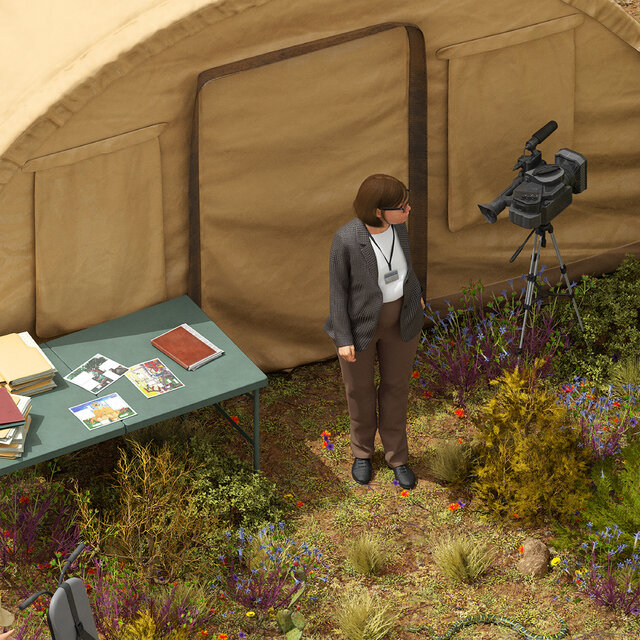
x,y
187,347
10,415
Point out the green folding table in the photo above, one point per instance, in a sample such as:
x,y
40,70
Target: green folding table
x,y
54,429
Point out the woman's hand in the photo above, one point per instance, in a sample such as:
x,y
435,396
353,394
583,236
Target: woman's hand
x,y
347,353
424,306
7,635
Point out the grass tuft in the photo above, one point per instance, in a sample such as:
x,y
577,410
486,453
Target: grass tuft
x,y
363,617
453,463
367,555
462,559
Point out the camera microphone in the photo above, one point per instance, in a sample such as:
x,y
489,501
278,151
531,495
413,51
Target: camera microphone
x,y
541,134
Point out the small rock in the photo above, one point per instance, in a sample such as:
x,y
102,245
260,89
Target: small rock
x,y
535,558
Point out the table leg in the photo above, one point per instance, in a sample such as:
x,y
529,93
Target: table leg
x,y
256,430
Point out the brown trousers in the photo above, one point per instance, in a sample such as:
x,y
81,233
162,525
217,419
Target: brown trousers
x,y
395,360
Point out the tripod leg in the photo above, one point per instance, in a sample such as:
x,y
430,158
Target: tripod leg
x,y
563,271
531,280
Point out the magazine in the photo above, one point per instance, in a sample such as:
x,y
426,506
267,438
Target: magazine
x,y
102,411
152,378
96,373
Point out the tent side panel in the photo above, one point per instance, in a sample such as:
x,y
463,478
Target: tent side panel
x,y
17,264
99,241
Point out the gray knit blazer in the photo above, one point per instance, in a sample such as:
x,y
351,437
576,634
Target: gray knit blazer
x,y
355,299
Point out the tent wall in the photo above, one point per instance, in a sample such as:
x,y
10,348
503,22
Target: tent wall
x,y
281,173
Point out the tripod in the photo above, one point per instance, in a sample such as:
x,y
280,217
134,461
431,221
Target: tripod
x,y
541,239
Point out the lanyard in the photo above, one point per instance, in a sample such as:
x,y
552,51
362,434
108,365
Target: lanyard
x,y
393,242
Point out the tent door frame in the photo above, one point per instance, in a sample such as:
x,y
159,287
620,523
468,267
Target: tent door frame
x,y
417,118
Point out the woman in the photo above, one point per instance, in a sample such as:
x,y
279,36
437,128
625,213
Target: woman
x,y
376,308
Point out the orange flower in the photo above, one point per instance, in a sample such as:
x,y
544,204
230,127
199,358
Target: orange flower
x,y
235,419
605,428
223,636
454,506
521,549
415,374
460,440
324,444
203,632
325,433
459,413
616,404
24,500
299,503
404,493
515,515
428,394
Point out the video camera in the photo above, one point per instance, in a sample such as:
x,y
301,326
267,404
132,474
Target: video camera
x,y
542,190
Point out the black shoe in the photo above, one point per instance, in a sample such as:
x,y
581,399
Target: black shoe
x,y
405,476
361,470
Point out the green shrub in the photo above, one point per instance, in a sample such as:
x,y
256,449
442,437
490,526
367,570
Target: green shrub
x,y
531,462
363,617
453,463
610,311
367,554
227,488
616,498
462,559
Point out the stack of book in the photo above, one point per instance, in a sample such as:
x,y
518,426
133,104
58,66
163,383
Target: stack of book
x,y
24,368
14,423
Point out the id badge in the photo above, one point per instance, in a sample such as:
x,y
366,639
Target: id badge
x,y
391,276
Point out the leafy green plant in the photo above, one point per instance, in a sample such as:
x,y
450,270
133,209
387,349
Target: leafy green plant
x,y
453,462
462,559
531,464
616,496
363,617
610,309
367,554
227,490
291,623
156,523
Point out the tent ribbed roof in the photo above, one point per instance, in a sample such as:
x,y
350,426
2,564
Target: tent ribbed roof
x,y
57,56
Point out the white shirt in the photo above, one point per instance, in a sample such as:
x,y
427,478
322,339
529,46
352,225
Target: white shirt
x,y
393,290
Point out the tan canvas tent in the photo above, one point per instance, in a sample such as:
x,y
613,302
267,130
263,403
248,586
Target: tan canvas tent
x,y
151,149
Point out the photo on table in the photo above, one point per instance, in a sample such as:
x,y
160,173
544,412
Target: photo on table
x,y
102,411
153,378
96,373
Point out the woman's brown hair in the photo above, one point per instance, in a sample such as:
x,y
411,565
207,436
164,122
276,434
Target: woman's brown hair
x,y
378,191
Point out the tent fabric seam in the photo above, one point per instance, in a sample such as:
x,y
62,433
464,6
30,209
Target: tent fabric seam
x,y
510,38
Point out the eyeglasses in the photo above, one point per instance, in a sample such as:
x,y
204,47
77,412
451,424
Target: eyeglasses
x,y
402,208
